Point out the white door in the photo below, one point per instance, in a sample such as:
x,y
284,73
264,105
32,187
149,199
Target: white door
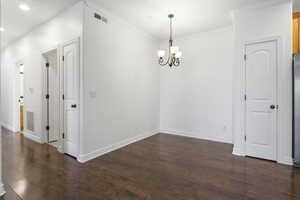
x,y
71,98
261,99
53,91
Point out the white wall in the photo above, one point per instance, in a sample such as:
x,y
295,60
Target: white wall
x,y
2,190
121,85
255,24
196,98
28,50
126,96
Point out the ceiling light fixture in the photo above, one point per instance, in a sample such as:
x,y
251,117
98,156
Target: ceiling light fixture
x,y
174,57
24,7
2,29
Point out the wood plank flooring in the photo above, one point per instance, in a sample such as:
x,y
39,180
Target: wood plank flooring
x,y
162,167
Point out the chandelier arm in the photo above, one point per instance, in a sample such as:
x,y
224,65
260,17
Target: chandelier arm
x,y
169,61
166,63
177,63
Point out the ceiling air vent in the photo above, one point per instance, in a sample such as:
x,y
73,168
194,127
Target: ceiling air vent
x,y
99,17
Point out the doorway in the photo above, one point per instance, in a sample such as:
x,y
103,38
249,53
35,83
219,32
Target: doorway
x,y
21,98
261,63
70,65
51,97
61,97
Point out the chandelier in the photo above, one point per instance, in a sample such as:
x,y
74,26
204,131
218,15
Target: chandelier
x,y
174,56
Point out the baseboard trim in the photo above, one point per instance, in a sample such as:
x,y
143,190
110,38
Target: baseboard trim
x,y
8,127
87,157
237,152
191,135
286,161
2,190
33,137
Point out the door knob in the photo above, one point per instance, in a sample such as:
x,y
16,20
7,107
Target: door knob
x,y
272,107
74,106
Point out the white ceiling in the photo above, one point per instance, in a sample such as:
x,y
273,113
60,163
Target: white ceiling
x,y
191,16
17,22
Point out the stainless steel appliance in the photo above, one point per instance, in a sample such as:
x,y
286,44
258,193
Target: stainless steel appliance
x,y
296,110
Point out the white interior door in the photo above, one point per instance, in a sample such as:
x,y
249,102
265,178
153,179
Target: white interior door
x,y
261,99
71,98
53,91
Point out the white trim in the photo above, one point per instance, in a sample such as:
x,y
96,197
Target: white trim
x,y
241,151
2,190
277,40
82,50
99,152
8,126
16,96
32,137
286,161
44,92
49,49
193,135
238,152
239,143
78,42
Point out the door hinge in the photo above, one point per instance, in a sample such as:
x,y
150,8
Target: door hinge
x,y
245,97
63,135
245,57
47,96
47,64
63,58
245,137
47,128
63,97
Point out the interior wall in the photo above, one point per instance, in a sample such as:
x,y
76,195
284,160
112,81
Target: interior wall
x,y
7,108
2,190
254,24
196,98
28,50
121,84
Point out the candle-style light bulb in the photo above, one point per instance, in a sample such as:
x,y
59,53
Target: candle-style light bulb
x,y
178,54
161,53
174,49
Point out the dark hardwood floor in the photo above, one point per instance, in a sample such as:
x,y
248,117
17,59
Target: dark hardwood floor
x,y
162,167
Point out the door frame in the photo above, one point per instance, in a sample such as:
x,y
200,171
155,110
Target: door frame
x,y
16,113
284,101
76,41
44,92
60,64
271,39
